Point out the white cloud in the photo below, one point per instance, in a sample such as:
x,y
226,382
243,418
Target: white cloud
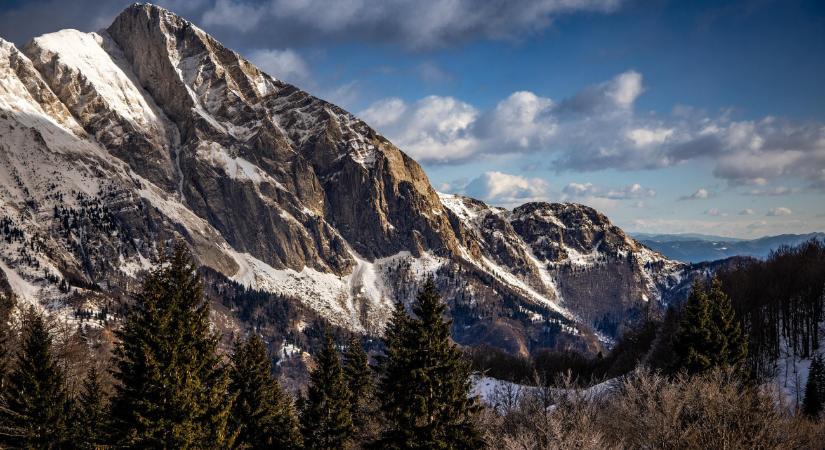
x,y
699,194
715,212
771,192
625,88
286,65
384,113
433,129
779,211
507,190
589,190
597,129
643,136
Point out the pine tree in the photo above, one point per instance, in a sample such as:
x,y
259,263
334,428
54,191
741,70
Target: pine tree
x,y
172,388
326,422
37,407
425,382
262,414
90,414
360,381
814,400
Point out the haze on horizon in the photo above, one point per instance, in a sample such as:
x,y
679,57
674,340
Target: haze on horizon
x,y
670,117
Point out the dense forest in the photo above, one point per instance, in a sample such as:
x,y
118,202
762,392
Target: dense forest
x,y
697,377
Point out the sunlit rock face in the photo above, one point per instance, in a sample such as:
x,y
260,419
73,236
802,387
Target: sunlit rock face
x,y
115,144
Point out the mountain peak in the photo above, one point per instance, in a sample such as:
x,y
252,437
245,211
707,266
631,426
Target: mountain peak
x,y
152,130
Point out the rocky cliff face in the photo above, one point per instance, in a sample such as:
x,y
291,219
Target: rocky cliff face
x,y
113,144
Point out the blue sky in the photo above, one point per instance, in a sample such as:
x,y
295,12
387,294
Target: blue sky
x,y
668,116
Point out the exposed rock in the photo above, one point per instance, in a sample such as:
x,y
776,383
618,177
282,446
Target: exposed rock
x,y
113,145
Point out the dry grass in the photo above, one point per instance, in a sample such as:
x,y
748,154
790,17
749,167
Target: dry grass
x,y
648,411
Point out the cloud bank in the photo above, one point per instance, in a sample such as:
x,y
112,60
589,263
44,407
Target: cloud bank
x,y
598,128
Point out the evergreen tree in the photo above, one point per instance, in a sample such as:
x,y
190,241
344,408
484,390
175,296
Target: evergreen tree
x,y
262,414
91,413
425,382
709,333
326,422
6,305
360,381
37,407
694,341
731,347
814,400
172,388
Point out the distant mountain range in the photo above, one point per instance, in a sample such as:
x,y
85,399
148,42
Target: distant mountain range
x,y
699,247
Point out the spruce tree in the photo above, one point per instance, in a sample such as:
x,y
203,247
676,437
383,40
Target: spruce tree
x,y
730,346
360,381
425,382
814,400
262,414
37,407
709,333
90,413
172,387
325,419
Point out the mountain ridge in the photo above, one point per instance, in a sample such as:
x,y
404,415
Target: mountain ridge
x,y
117,143
693,249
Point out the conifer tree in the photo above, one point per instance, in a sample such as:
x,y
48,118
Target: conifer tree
x,y
172,388
325,419
262,414
6,305
709,333
814,400
694,340
731,346
360,381
91,413
37,407
425,382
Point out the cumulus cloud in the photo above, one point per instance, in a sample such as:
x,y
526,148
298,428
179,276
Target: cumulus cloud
x,y
433,129
585,190
598,128
286,65
446,130
507,190
779,211
699,194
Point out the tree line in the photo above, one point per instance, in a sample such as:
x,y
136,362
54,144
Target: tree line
x,y
172,388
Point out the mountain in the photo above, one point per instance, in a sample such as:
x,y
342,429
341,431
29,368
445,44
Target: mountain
x,y
683,237
696,248
113,145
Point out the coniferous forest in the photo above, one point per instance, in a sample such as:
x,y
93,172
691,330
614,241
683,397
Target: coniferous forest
x,y
697,377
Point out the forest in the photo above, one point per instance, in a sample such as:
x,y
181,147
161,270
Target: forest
x,y
703,375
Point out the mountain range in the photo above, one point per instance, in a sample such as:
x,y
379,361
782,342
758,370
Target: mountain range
x,y
697,247
115,145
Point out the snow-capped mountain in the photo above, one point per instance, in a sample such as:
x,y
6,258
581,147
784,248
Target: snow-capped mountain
x,y
114,143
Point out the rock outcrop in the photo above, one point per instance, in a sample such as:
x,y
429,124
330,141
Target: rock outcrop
x,y
114,144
